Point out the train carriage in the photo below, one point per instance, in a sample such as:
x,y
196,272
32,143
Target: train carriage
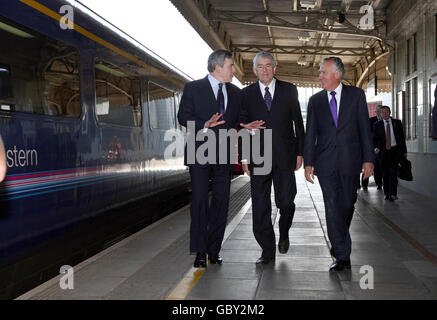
x,y
83,114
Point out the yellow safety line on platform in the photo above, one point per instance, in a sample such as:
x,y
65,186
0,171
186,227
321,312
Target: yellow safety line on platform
x,y
183,288
186,284
86,33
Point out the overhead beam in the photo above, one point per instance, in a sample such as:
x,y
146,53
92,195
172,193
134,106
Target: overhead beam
x,y
275,49
315,22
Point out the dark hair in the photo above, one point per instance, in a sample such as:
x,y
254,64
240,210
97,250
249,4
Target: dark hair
x,y
386,107
218,57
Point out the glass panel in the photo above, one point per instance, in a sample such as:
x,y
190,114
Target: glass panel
x,y
37,74
161,107
118,99
414,109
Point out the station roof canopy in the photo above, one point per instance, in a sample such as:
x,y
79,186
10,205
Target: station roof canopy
x,y
299,33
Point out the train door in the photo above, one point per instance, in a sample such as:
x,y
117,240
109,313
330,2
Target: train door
x,y
118,110
40,120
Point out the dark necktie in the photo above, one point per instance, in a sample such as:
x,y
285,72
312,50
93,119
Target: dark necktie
x,y
221,99
333,105
388,136
268,98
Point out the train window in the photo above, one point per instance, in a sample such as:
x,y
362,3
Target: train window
x,y
118,98
161,107
37,74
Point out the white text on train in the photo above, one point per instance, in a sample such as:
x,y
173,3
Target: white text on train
x,y
21,157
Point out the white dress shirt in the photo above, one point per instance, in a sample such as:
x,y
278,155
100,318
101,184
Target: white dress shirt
x,y
215,87
392,133
337,96
271,88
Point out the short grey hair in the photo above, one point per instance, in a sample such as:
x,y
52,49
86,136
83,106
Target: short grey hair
x,y
379,106
264,54
339,66
218,57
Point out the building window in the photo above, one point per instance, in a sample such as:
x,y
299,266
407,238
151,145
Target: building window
x,y
435,36
414,102
161,108
118,99
38,75
408,57
407,111
414,51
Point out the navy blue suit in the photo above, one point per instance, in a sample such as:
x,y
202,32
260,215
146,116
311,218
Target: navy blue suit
x,y
285,121
389,159
434,116
337,155
208,221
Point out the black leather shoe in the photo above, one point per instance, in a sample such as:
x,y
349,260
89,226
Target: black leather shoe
x,y
200,261
215,259
332,252
340,265
283,245
265,260
391,198
379,188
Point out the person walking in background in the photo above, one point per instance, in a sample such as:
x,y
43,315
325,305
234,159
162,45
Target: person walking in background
x,y
390,146
338,146
211,103
377,170
434,116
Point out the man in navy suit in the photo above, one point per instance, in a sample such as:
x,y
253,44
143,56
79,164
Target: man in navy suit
x,y
338,146
211,103
389,141
434,116
376,170
273,104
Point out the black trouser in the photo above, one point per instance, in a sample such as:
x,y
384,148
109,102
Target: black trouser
x,y
284,183
377,174
339,195
390,161
208,221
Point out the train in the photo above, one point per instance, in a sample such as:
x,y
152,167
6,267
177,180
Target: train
x,y
84,109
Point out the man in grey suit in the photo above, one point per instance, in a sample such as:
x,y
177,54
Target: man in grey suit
x,y
338,146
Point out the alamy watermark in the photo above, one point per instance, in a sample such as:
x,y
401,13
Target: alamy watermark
x,y
367,280
67,20
66,282
204,147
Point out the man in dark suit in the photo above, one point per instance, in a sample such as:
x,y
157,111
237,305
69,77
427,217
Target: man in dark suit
x,y
338,146
389,141
274,104
211,103
434,116
377,170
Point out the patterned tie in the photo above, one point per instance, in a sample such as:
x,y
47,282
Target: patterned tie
x,y
268,98
387,136
333,105
221,99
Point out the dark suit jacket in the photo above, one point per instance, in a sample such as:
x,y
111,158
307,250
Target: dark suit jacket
x,y
434,116
379,136
198,104
287,140
344,148
372,121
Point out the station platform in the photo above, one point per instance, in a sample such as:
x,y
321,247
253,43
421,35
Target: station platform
x,y
394,256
